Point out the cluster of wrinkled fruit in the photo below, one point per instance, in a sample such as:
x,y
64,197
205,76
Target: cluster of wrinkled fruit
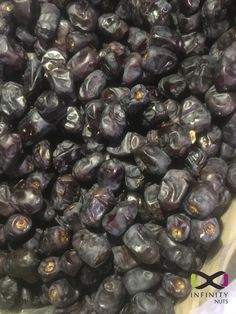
x,y
117,150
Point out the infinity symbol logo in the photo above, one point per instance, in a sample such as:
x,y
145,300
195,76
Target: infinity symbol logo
x,y
209,280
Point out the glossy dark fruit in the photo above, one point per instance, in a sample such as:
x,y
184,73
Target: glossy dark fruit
x,y
178,227
17,227
205,231
10,292
189,6
117,221
141,244
94,249
33,75
163,36
227,152
52,59
140,280
13,101
129,144
73,121
55,240
33,127
151,159
10,150
201,201
70,263
228,131
215,166
220,104
195,115
111,174
113,122
27,201
5,195
231,175
110,295
177,286
65,155
159,60
66,190
49,106
180,255
11,54
98,203
47,23
132,69
83,63
137,40
23,263
195,160
49,268
61,293
173,86
63,30
134,179
42,155
82,16
194,43
76,41
123,259
188,24
145,303
138,99
173,188
210,142
112,26
92,86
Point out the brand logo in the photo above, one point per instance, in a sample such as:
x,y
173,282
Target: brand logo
x,y
209,280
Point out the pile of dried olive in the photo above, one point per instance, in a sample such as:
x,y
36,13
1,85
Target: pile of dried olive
x,y
117,150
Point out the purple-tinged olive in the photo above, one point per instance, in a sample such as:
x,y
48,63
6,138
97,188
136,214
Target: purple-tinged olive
x,y
118,220
159,60
189,7
82,16
164,37
231,175
132,69
145,303
123,9
139,97
27,200
194,43
33,127
3,264
210,142
33,242
111,94
123,259
229,131
173,188
111,174
33,75
63,30
159,13
142,245
78,40
48,21
110,295
178,227
176,286
151,159
39,180
113,122
3,240
10,291
40,48
220,104
215,166
17,228
173,86
25,37
42,155
112,26
92,86
10,53
66,190
73,121
53,58
5,207
201,201
195,160
5,26
4,125
137,39
49,268
205,231
62,294
178,254
227,152
140,280
70,263
189,24
83,63
23,11
93,112
194,115
110,63
10,150
65,155
155,113
94,249
23,264
55,240
134,179
100,201
85,169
